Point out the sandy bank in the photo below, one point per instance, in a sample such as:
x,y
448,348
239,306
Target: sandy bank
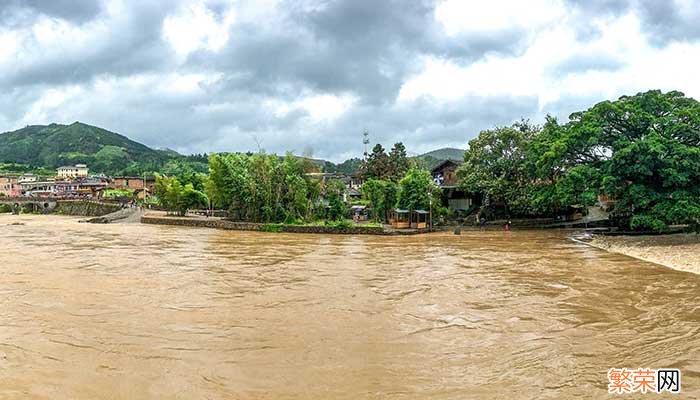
x,y
678,251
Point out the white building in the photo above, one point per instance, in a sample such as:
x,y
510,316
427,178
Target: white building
x,y
27,178
73,171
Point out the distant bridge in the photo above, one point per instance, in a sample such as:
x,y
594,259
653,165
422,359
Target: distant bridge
x,y
37,203
46,204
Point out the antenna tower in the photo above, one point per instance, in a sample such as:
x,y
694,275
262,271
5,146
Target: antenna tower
x,y
365,141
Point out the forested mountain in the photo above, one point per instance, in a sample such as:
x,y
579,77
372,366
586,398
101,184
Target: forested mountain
x,y
432,158
50,146
446,153
44,147
54,145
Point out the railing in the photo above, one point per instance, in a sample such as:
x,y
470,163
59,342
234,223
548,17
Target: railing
x,y
26,199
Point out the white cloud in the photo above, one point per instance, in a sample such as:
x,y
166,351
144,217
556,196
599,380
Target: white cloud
x,y
458,16
534,72
195,27
8,46
320,108
51,103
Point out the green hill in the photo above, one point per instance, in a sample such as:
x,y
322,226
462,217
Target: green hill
x,y
54,145
446,153
432,158
45,147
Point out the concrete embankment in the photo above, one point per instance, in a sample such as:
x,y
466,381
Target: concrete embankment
x,y
124,215
677,251
249,226
84,208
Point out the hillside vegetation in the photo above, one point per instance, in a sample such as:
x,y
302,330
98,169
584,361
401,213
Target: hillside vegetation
x,y
50,146
431,159
42,148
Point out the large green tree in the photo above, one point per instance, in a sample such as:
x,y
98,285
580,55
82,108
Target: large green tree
x,y
334,194
417,191
263,188
381,197
398,162
377,164
174,196
496,165
642,150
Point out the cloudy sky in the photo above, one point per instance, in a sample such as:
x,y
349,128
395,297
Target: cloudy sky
x,y
310,75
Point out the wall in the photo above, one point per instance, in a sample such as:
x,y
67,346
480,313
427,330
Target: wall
x,y
84,208
249,226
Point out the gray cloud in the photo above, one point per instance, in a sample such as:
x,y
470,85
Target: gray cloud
x,y
362,46
587,62
20,11
663,21
666,21
131,44
362,49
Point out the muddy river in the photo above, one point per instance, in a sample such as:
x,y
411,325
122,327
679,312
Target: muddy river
x,y
156,312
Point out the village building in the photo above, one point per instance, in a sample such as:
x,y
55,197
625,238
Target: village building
x,y
39,188
27,178
350,181
353,183
9,186
141,186
69,188
91,186
74,171
132,182
453,197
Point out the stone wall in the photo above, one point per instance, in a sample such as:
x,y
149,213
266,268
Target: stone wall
x,y
249,226
84,208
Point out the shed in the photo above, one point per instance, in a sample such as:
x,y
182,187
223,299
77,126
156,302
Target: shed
x,y
400,219
419,219
358,213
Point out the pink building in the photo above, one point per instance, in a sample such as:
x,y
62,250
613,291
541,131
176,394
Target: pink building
x,y
9,186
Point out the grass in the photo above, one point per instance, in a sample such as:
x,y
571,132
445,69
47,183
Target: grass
x,y
345,223
272,228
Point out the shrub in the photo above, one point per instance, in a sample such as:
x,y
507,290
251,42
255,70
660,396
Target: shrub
x,y
271,228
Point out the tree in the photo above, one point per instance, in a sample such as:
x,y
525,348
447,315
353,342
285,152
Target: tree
x,y
377,165
381,197
398,162
189,198
495,165
642,150
417,190
263,188
174,196
335,191
349,167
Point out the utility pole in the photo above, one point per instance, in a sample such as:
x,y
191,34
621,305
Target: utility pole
x,y
365,141
430,206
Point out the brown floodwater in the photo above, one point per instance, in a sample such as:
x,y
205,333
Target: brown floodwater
x,y
156,312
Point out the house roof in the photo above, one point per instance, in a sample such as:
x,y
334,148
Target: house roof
x,y
443,164
78,166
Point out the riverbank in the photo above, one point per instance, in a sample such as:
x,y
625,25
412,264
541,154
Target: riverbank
x,y
84,208
219,223
677,251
